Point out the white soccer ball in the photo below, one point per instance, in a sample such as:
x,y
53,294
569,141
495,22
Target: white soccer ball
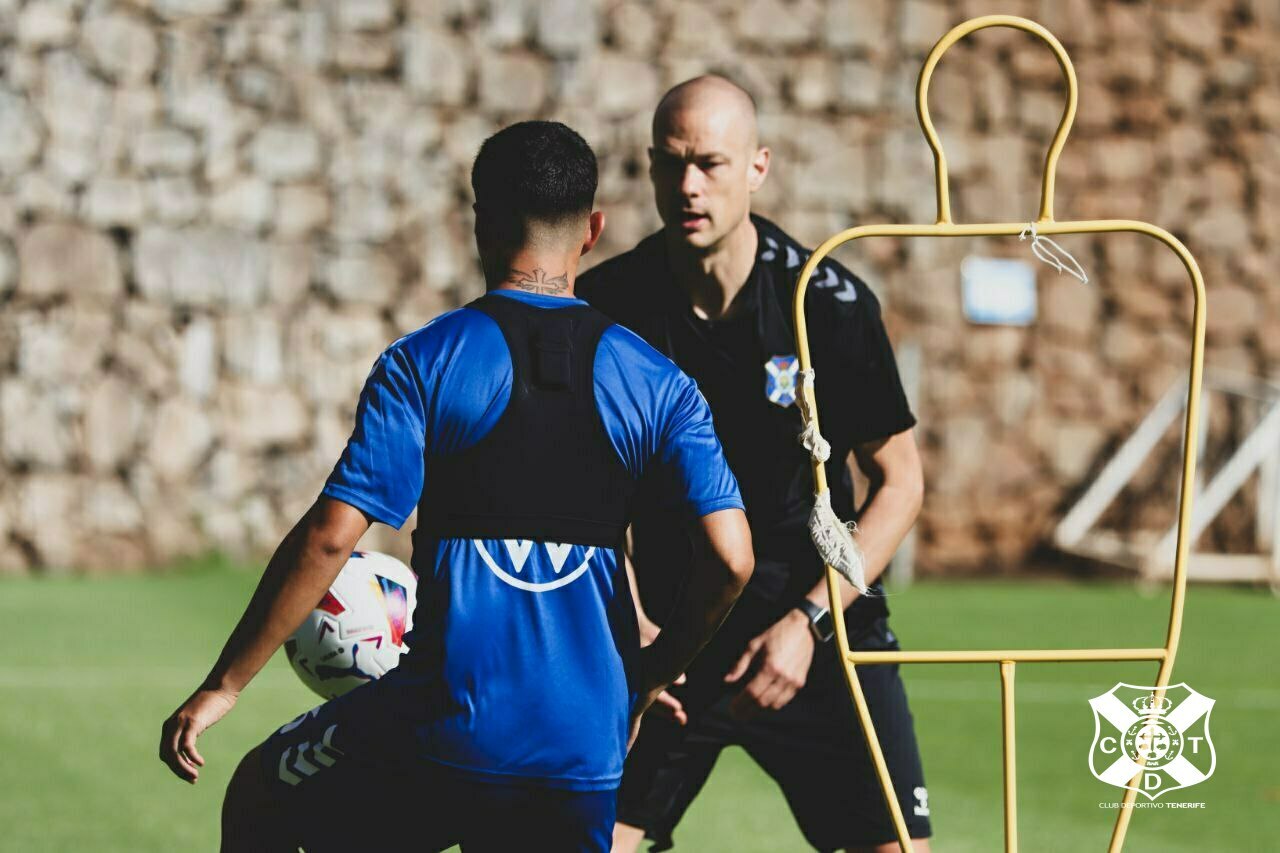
x,y
356,632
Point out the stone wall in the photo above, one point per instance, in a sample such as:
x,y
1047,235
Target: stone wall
x,y
214,215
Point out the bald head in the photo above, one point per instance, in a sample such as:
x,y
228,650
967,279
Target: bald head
x,y
706,161
709,99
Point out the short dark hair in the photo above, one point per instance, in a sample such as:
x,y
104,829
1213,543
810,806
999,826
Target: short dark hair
x,y
535,170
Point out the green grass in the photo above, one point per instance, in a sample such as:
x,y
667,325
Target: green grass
x,y
93,666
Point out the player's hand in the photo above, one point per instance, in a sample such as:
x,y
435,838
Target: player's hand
x,y
666,705
781,658
178,735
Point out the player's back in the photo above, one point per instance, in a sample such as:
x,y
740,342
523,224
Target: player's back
x,y
520,426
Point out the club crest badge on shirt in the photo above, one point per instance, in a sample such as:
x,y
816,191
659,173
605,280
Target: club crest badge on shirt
x,y
780,374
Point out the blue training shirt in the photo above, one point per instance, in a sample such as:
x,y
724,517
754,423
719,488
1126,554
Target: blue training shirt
x,y
516,634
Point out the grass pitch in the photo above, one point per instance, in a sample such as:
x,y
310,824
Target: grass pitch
x,y
94,665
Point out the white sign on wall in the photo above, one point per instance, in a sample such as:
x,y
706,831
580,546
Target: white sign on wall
x,y
998,291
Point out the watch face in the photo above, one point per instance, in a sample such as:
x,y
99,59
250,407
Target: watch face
x,y
823,626
820,623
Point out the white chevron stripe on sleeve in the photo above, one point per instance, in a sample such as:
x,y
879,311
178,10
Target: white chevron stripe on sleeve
x,y
285,774
325,752
306,768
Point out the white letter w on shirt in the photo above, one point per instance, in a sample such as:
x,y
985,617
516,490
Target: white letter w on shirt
x,y
519,550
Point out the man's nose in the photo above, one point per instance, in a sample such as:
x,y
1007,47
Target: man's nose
x,y
691,181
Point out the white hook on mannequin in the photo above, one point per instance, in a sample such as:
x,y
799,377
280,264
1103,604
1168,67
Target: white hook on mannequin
x,y
1047,251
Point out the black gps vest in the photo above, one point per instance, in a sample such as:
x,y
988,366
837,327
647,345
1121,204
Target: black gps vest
x,y
547,470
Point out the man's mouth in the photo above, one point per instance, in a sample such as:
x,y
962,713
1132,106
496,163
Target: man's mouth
x,y
692,220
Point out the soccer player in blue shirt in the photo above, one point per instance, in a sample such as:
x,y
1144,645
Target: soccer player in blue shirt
x,y
520,426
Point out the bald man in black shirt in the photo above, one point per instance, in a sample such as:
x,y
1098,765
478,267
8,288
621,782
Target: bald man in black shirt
x,y
713,290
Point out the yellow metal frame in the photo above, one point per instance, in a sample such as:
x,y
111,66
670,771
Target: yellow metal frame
x,y
1045,224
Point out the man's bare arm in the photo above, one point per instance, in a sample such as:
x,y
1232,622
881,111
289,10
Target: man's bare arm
x,y
296,578
299,573
784,652
895,494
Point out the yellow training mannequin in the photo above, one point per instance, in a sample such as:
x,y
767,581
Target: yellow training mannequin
x,y
1045,225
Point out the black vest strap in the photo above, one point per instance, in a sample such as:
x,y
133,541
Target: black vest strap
x,y
547,470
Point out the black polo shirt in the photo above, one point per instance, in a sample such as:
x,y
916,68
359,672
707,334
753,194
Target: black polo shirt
x,y
745,366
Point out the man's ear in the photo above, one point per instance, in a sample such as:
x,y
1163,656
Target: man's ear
x,y
758,170
595,227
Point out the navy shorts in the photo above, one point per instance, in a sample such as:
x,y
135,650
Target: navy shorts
x,y
812,747
347,776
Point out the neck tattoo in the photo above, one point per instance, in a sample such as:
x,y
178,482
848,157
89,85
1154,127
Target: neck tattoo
x,y
537,281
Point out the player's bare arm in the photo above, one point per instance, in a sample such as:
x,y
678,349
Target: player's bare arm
x,y
297,576
781,655
723,567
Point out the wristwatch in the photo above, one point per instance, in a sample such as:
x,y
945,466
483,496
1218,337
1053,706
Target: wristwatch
x,y
821,625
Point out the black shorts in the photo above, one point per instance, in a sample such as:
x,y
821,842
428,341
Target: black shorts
x,y
347,776
812,747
